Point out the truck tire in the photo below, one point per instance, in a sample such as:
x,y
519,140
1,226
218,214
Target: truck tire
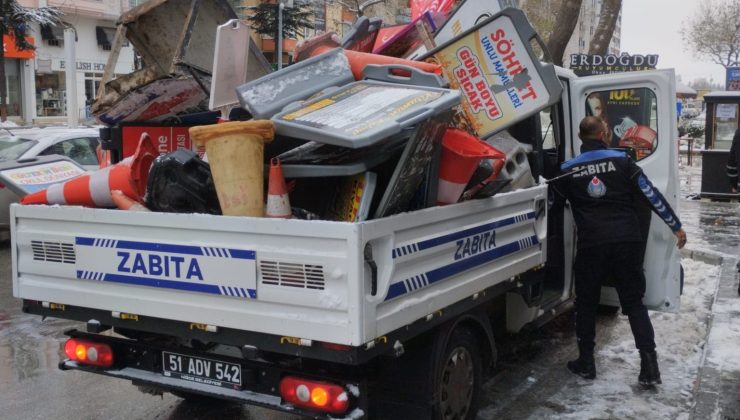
x,y
459,375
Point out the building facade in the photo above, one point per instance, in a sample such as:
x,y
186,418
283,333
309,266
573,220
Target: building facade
x,y
40,80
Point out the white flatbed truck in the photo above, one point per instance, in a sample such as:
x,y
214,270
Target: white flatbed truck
x,y
386,318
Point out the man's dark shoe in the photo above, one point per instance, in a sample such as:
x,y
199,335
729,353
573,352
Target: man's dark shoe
x,y
649,372
584,366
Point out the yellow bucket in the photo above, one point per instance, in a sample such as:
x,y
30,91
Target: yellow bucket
x,y
236,155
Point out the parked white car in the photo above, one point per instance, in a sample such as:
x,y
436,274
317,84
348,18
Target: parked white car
x,y
78,144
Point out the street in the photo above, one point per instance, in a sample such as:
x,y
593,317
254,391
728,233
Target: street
x,y
530,381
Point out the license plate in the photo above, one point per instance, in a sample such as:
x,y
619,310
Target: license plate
x,y
201,370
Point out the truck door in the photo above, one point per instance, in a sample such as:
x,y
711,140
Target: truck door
x,y
639,108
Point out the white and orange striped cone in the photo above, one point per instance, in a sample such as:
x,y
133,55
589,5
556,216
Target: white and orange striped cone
x,y
94,189
278,202
124,202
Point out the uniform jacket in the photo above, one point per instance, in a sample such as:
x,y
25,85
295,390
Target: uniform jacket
x,y
602,191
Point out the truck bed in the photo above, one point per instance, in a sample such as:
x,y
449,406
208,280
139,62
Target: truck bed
x,y
312,280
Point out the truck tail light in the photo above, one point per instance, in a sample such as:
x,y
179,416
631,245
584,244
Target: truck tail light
x,y
89,353
323,396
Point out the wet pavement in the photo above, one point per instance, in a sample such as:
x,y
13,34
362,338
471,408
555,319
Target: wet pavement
x,y
33,387
530,381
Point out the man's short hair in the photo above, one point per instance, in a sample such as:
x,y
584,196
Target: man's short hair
x,y
590,128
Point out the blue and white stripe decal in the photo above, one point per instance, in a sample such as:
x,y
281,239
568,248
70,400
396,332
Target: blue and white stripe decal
x,y
212,270
409,249
658,202
425,279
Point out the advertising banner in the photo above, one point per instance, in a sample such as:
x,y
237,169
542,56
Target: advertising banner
x,y
500,77
733,78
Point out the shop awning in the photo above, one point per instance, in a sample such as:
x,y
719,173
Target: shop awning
x,y
52,32
105,36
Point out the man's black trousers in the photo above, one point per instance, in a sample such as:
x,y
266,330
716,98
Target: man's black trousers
x,y
622,263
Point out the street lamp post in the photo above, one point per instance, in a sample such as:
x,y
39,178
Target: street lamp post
x,y
282,4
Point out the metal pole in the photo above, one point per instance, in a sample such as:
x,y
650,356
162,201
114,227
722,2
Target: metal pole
x,y
70,70
280,36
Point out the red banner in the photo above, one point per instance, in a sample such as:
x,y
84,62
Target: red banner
x,y
11,51
418,7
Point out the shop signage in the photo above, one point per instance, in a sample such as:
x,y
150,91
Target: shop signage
x,y
11,51
85,66
733,78
585,64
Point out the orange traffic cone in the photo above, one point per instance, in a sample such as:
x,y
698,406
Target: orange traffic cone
x,y
94,189
123,202
278,202
358,61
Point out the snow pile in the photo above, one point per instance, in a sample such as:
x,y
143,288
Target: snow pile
x,y
8,124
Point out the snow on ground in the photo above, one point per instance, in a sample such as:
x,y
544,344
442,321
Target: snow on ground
x,y
8,124
553,392
680,339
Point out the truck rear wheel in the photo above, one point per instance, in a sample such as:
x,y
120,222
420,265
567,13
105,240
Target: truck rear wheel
x,y
459,377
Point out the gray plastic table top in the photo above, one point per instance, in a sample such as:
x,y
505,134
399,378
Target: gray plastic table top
x,y
363,113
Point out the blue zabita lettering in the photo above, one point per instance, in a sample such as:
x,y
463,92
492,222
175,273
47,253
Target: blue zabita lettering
x,y
159,265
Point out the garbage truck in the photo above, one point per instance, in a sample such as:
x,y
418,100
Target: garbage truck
x,y
390,317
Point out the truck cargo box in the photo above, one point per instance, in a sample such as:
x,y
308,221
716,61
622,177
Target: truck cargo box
x,y
336,282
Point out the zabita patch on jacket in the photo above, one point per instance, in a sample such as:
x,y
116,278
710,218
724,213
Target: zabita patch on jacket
x,y
593,169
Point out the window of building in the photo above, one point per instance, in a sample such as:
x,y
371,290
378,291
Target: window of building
x,y
13,83
53,35
105,37
51,94
725,124
319,16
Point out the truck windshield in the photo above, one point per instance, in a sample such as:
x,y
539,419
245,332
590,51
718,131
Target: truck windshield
x,y
13,147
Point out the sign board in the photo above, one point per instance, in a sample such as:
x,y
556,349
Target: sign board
x,y
587,65
733,78
166,138
29,176
501,78
12,51
726,111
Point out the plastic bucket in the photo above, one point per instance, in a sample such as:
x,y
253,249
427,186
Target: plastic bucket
x,y
235,153
461,154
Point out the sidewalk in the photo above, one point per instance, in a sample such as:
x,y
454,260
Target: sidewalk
x,y
717,393
714,238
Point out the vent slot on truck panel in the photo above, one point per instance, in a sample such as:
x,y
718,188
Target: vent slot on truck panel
x,y
305,276
59,252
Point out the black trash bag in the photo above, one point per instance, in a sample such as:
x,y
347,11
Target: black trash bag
x,y
180,182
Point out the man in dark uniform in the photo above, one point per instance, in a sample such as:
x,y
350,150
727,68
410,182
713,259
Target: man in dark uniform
x,y
602,187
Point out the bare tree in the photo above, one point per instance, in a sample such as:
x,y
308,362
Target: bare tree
x,y
714,32
541,15
605,29
565,22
